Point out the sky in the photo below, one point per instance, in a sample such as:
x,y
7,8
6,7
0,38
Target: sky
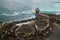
x,y
18,4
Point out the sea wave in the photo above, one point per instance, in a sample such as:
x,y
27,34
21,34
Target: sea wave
x,y
28,12
32,16
12,14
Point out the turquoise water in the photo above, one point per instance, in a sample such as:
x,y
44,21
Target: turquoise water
x,y
17,10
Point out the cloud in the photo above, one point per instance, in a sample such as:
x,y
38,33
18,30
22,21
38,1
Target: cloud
x,y
24,4
15,4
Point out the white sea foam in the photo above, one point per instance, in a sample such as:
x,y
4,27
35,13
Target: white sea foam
x,y
29,17
57,13
12,14
23,18
28,11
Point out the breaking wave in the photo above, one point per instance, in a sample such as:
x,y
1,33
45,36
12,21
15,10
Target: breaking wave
x,y
12,14
28,11
16,16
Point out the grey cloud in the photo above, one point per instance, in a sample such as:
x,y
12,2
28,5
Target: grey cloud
x,y
24,4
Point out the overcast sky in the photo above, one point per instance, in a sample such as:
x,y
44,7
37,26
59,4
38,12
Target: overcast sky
x,y
18,4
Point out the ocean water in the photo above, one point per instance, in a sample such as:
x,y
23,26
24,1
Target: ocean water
x,y
16,10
